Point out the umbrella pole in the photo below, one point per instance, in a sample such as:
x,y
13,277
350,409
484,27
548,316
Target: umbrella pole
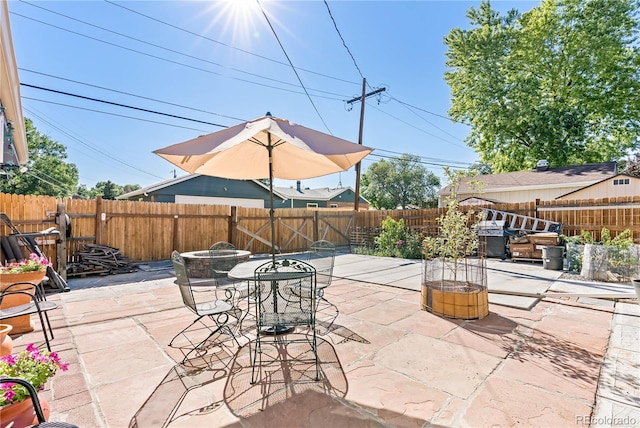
x,y
271,211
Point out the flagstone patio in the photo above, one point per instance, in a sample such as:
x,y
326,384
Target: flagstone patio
x,y
385,362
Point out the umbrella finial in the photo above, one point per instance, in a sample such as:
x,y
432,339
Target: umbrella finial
x,y
268,114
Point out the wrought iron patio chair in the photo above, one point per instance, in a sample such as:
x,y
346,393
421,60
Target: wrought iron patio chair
x,y
37,407
214,304
286,299
321,255
34,302
223,258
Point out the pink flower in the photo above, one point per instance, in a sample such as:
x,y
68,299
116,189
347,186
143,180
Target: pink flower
x,y
9,393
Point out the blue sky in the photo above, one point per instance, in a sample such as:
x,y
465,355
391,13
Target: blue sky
x,y
219,63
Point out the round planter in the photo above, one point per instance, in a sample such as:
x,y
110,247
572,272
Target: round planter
x,y
6,343
22,414
21,324
455,289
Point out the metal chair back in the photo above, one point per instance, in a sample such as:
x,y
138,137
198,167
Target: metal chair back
x,y
182,279
34,302
223,257
286,298
322,255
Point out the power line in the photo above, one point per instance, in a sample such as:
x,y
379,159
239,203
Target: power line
x,y
113,114
122,105
90,147
406,105
335,25
415,127
292,67
450,162
181,63
227,45
422,162
170,50
132,95
427,111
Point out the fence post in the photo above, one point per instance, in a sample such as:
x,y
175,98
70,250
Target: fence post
x,y
100,219
61,242
316,226
232,224
175,232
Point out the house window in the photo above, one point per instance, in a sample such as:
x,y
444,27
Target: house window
x,y
620,181
333,205
312,205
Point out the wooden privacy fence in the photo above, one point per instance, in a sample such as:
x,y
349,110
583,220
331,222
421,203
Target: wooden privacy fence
x,y
148,231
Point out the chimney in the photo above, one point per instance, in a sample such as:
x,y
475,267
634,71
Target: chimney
x,y
298,186
542,165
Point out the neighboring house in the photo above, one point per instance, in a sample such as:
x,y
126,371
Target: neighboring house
x,y
616,186
545,184
14,139
204,189
342,197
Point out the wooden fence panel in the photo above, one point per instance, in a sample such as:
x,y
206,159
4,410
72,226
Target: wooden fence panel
x,y
146,231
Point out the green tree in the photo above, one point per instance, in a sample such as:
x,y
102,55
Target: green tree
x,y
631,166
83,192
399,182
107,189
46,173
130,188
559,82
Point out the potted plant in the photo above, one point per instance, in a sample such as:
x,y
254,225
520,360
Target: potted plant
x,y
454,280
36,367
31,270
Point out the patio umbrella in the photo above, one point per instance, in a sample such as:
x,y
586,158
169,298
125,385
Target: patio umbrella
x,y
266,147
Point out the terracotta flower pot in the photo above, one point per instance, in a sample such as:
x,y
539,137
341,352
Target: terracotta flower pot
x,y
23,323
6,344
22,414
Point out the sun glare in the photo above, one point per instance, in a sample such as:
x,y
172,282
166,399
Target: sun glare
x,y
240,18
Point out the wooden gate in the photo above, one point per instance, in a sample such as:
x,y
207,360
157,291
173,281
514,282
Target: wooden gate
x,y
295,229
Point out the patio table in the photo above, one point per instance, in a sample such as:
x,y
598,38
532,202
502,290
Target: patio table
x,y
247,271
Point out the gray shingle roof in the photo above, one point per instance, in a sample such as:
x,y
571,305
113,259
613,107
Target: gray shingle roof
x,y
321,194
587,174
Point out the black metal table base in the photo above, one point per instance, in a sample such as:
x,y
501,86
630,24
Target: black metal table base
x,y
277,329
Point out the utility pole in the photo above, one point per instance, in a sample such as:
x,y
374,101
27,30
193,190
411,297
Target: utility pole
x,y
362,99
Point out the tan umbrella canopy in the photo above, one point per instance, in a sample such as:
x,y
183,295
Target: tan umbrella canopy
x,y
266,147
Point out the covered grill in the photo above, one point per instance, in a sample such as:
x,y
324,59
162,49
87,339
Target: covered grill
x,y
494,235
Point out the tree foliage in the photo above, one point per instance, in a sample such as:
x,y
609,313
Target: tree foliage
x,y
399,182
559,82
457,233
47,173
631,166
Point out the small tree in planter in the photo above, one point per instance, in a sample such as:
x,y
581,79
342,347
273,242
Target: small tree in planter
x,y
454,279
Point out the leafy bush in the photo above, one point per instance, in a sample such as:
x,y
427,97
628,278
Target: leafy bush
x,y
613,254
397,240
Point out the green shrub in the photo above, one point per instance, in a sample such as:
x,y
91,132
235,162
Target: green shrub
x,y
397,240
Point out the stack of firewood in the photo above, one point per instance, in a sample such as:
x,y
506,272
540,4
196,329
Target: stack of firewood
x,y
99,259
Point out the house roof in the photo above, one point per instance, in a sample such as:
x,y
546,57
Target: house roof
x,y
174,181
598,182
586,174
320,194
